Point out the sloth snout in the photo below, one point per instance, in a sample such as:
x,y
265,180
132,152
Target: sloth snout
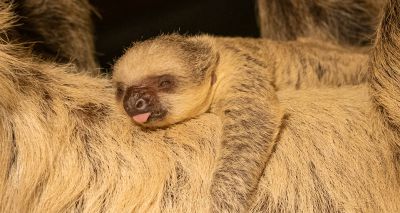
x,y
135,104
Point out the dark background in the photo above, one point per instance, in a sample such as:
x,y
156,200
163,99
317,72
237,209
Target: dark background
x,y
123,22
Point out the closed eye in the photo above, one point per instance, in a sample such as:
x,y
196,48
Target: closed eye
x,y
166,82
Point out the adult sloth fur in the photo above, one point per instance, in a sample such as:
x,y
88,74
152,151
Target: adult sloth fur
x,y
347,22
64,146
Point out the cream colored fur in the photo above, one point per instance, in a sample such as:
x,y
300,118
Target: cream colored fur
x,y
64,147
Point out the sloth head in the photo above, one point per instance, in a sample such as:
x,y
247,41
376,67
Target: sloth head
x,y
166,80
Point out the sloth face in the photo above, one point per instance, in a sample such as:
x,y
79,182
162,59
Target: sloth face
x,y
162,100
164,81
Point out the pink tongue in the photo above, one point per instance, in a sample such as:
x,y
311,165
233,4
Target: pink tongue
x,y
141,118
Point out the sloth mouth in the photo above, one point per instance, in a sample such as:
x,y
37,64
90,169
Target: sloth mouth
x,y
157,115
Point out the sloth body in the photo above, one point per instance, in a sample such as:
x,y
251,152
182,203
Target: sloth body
x,y
174,78
201,73
66,147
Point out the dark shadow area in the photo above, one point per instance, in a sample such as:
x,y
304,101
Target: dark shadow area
x,y
123,22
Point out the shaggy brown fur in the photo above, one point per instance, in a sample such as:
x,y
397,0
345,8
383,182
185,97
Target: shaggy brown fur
x,y
385,83
348,22
174,78
64,146
60,30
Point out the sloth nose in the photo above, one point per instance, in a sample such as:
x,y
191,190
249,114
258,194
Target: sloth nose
x,y
141,104
135,104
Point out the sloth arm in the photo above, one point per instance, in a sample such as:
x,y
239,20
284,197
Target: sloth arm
x,y
249,132
259,74
64,29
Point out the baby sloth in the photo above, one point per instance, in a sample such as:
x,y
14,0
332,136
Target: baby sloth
x,y
173,78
